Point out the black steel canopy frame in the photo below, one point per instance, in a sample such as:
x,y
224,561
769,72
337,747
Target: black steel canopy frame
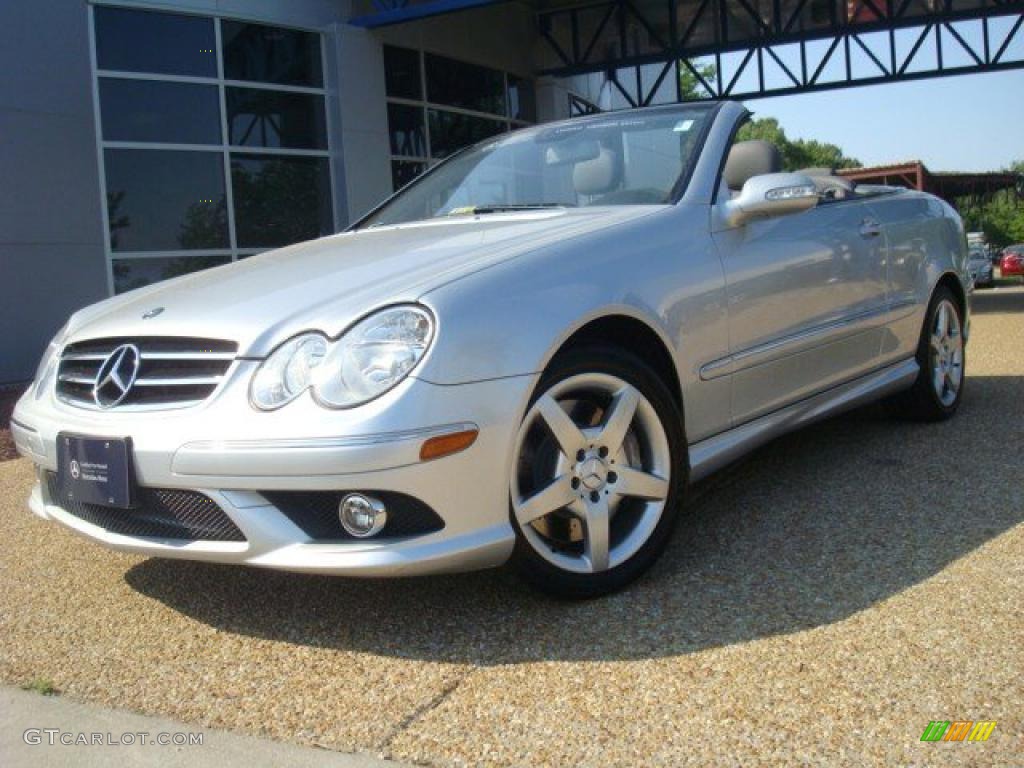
x,y
614,36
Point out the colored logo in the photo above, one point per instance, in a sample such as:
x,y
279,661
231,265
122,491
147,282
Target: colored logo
x,y
958,730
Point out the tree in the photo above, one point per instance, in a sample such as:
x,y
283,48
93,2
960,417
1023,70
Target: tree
x,y
1000,217
205,225
796,153
690,87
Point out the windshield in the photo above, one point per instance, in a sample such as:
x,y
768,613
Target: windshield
x,y
635,158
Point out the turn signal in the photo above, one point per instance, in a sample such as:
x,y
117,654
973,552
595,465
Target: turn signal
x,y
445,445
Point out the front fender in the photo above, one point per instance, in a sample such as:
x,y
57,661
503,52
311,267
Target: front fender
x,y
511,319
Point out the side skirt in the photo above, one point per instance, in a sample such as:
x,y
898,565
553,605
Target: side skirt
x,y
716,452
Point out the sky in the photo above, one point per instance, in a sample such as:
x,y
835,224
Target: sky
x,y
960,123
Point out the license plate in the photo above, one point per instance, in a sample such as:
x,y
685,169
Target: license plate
x,y
95,470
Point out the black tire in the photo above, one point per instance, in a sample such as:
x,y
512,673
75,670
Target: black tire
x,y
603,359
921,402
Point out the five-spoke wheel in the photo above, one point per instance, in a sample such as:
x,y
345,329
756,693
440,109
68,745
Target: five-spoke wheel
x,y
594,471
947,352
936,393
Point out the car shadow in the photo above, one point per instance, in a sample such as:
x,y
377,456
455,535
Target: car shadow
x,y
807,531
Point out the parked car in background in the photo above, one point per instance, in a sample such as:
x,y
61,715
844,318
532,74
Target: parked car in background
x,y
1011,264
980,266
1012,261
528,353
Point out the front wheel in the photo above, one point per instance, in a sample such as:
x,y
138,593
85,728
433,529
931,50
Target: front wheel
x,y
598,474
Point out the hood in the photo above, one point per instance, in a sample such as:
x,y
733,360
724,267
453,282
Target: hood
x,y
328,284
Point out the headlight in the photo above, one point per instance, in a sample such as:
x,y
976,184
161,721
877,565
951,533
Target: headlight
x,y
373,356
369,359
287,373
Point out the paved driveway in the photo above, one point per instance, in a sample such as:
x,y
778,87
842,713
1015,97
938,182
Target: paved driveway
x,y
823,602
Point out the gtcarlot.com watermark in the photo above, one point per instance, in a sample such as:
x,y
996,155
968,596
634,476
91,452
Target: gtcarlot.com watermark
x,y
58,737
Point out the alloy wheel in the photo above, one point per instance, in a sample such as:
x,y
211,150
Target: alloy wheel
x,y
592,473
947,353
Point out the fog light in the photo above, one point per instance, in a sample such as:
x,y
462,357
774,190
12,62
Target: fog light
x,y
362,516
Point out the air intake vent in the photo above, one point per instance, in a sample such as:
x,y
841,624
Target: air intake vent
x,y
172,372
162,513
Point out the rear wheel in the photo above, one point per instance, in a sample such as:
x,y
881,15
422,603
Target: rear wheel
x,y
937,391
598,474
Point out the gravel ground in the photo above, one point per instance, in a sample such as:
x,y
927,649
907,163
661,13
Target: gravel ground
x,y
826,599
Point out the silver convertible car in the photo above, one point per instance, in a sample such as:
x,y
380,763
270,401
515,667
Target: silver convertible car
x,y
527,354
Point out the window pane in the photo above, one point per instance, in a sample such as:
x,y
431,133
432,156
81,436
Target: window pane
x,y
147,110
271,55
161,200
450,131
458,84
280,200
405,125
143,41
259,118
130,274
402,72
404,171
522,101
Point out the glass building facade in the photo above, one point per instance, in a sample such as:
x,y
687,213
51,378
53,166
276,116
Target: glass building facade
x,y
213,140
437,105
147,139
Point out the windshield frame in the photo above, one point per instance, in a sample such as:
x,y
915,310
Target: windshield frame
x,y
676,194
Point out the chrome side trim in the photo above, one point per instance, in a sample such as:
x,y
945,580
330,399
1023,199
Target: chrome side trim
x,y
797,342
319,443
721,367
715,452
224,462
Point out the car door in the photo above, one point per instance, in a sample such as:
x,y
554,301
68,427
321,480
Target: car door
x,y
908,241
806,298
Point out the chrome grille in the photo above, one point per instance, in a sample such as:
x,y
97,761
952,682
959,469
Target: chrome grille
x,y
173,372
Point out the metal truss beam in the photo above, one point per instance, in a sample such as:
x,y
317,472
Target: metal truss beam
x,y
615,36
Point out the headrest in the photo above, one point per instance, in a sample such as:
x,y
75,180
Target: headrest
x,y
748,159
597,176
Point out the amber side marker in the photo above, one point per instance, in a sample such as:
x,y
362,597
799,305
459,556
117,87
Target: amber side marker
x,y
445,445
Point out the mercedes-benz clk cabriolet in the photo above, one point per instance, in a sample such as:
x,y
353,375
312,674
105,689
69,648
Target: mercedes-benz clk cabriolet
x,y
528,354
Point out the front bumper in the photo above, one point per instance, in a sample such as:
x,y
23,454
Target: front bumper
x,y
231,453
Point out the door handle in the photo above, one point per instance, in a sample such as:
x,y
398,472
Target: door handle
x,y
870,228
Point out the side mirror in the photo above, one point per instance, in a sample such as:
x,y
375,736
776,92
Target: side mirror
x,y
773,194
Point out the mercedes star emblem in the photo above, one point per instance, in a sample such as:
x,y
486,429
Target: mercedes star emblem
x,y
116,376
